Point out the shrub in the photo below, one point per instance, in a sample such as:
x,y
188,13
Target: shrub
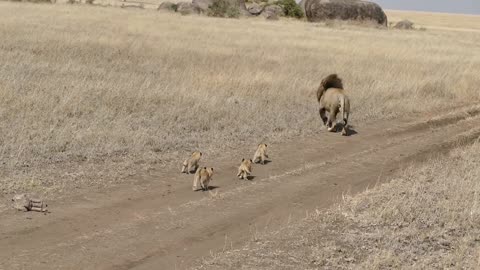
x,y
291,8
223,8
233,12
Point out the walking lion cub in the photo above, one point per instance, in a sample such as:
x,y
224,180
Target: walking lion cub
x,y
245,169
202,177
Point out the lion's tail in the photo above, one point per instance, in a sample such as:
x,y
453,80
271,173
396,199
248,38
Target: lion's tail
x,y
345,109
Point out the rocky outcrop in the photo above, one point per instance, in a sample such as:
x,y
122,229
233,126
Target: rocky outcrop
x,y
351,10
273,10
404,25
302,5
255,9
203,5
272,17
186,8
167,6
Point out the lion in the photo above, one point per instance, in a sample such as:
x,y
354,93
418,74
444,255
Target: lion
x,y
245,169
261,154
190,165
332,99
203,176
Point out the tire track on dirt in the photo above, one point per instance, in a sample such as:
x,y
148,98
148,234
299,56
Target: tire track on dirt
x,y
147,231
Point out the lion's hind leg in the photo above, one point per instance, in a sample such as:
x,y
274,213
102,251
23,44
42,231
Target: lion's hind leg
x,y
332,121
204,183
345,127
195,183
239,174
323,116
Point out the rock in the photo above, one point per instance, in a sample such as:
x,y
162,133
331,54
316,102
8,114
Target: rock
x,y
404,25
302,5
273,10
167,6
203,5
352,10
255,9
186,8
139,5
25,202
272,17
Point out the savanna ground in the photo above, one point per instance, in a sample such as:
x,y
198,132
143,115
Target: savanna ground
x,y
93,97
90,96
427,218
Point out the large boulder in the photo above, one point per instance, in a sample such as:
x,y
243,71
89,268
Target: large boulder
x,y
203,5
255,9
273,10
186,8
167,6
404,25
352,10
272,17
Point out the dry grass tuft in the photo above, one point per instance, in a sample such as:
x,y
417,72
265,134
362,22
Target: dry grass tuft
x,y
429,218
90,96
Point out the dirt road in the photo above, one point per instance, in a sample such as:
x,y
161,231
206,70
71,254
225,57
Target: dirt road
x,y
162,224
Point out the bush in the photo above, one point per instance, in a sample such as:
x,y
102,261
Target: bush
x,y
233,12
223,8
291,8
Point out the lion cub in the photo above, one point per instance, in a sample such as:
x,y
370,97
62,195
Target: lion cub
x,y
203,176
245,169
260,154
190,165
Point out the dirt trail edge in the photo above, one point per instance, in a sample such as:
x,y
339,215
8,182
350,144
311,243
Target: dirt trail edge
x,y
163,224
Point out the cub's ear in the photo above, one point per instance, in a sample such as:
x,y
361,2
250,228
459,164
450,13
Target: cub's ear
x,y
251,160
205,168
211,169
265,145
243,159
201,153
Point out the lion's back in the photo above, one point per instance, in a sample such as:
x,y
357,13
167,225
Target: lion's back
x,y
331,96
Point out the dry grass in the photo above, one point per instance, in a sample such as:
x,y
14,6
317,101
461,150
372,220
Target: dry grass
x,y
92,95
429,218
459,22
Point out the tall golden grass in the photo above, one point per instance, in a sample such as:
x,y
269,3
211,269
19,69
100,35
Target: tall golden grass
x,y
90,95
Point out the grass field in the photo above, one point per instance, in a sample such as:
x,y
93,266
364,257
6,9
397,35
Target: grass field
x,y
428,218
441,21
90,95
